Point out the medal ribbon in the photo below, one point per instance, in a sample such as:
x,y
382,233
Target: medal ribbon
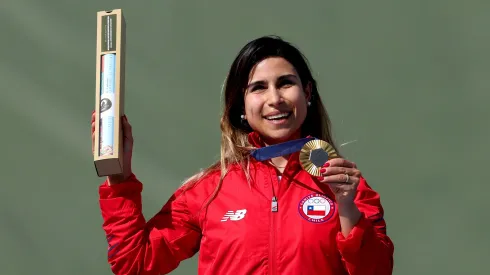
x,y
280,149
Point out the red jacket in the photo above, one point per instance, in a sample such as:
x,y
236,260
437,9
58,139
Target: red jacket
x,y
239,234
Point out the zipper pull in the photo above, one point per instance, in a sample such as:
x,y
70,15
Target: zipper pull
x,y
274,203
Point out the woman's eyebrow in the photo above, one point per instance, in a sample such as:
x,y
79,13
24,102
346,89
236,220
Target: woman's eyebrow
x,y
258,82
287,76
282,77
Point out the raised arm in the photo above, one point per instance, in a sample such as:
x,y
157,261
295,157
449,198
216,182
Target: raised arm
x,y
140,247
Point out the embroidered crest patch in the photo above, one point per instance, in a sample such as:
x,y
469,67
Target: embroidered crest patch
x,y
316,208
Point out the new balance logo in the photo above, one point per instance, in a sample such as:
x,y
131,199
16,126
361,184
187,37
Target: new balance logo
x,y
234,216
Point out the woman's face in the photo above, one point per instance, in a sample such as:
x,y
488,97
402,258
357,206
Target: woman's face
x,y
275,101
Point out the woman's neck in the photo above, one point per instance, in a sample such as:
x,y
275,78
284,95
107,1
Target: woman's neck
x,y
279,163
268,142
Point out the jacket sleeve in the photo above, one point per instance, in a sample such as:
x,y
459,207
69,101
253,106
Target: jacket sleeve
x,y
367,250
140,247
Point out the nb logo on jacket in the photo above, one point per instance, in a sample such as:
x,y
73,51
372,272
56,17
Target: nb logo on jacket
x,y
234,216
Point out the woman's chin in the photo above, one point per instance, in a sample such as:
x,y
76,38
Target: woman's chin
x,y
279,136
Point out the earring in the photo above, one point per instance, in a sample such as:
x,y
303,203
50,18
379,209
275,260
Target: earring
x,y
309,103
242,117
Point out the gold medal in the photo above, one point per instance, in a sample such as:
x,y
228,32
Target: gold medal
x,y
314,154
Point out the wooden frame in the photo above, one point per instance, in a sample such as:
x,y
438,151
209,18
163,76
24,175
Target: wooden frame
x,y
111,39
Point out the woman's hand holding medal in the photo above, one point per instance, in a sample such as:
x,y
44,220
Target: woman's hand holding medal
x,y
343,178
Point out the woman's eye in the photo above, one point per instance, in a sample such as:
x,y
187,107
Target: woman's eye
x,y
286,83
257,88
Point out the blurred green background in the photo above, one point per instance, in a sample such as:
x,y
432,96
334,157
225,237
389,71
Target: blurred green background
x,y
409,80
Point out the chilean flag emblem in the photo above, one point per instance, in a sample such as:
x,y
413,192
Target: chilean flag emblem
x,y
316,210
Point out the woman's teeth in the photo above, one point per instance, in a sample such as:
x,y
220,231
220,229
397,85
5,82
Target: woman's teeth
x,y
279,116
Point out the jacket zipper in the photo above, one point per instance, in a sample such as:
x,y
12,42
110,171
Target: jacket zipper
x,y
274,210
272,255
274,204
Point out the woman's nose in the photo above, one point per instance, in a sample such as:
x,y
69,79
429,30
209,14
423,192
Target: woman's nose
x,y
275,97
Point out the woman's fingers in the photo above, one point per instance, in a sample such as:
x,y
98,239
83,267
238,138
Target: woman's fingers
x,y
127,133
328,171
340,179
340,162
340,171
127,129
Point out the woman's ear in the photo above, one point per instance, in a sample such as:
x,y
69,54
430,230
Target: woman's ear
x,y
308,91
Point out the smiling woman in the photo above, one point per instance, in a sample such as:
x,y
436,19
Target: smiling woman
x,y
275,101
248,215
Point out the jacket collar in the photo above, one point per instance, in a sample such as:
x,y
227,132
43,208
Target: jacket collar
x,y
255,140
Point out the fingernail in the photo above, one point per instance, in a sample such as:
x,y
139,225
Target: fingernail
x,y
326,164
323,170
319,178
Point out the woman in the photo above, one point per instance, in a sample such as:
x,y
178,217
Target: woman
x,y
247,216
